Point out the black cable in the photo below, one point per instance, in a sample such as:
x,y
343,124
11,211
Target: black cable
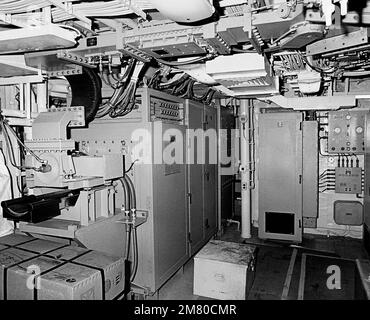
x,y
181,80
106,79
177,90
132,192
357,161
9,148
126,193
134,233
187,93
117,100
132,165
210,97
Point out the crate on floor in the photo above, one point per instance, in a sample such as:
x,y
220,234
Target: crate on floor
x,y
224,270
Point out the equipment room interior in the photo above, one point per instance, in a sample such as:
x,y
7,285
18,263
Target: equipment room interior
x,y
184,150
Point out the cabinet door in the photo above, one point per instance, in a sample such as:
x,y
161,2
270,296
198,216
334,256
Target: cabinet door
x,y
169,214
195,182
280,176
367,179
210,171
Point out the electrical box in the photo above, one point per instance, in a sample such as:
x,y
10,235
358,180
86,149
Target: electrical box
x,y
348,180
348,213
346,132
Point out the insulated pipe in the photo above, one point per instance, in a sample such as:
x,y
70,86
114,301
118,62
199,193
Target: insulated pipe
x,y
245,169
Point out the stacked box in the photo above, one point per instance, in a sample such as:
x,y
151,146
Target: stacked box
x,y
24,279
10,257
40,246
224,270
67,253
32,268
15,239
71,282
110,267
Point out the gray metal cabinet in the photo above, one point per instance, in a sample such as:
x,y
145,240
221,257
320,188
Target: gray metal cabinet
x,y
195,181
210,178
161,188
280,176
169,208
202,178
367,185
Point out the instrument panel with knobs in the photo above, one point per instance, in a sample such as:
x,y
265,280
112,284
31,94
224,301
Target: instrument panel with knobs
x,y
346,132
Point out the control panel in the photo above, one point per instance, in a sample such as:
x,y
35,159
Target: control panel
x,y
161,109
348,180
346,132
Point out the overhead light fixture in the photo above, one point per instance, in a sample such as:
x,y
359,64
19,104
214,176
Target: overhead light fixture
x,y
187,11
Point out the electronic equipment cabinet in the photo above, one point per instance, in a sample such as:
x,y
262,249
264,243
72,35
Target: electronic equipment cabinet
x,y
280,176
202,177
366,235
160,187
180,198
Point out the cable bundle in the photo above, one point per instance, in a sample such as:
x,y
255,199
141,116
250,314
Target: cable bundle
x,y
327,180
131,233
181,85
122,101
5,129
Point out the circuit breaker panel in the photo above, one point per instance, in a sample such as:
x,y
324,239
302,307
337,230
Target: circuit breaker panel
x,y
346,132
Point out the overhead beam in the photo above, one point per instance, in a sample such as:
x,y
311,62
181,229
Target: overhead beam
x,y
110,23
10,19
129,4
68,8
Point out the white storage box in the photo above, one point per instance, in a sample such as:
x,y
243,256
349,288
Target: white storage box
x,y
224,270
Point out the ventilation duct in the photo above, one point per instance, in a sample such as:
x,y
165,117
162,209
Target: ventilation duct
x,y
185,11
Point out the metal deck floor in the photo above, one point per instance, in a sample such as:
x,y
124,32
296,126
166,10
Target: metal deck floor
x,y
272,266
